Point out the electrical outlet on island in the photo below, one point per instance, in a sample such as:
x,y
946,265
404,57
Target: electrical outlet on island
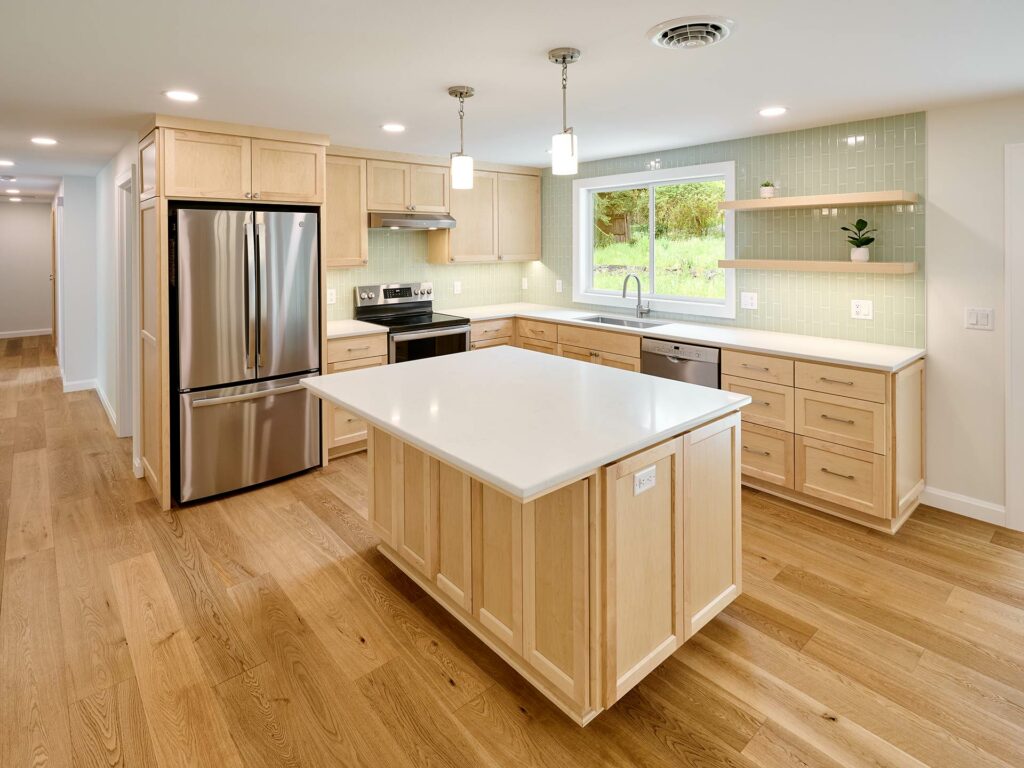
x,y
644,480
861,309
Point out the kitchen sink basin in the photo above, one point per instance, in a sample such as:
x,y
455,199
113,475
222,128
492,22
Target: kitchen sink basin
x,y
622,322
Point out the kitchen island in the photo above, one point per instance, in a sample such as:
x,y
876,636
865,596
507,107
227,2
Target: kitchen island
x,y
583,521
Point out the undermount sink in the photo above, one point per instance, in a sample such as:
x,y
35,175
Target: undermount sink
x,y
624,322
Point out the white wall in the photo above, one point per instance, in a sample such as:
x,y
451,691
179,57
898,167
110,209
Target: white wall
x,y
24,269
77,282
964,267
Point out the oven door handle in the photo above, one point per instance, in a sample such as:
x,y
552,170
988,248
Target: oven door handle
x,y
430,332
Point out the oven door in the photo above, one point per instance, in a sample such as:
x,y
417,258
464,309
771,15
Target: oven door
x,y
415,345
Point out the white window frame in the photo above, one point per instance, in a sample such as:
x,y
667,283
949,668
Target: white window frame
x,y
583,291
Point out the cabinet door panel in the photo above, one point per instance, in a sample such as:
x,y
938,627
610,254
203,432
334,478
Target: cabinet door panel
x,y
387,186
151,372
428,188
578,353
287,172
454,535
416,526
149,163
385,489
207,165
475,237
621,362
518,217
345,236
498,565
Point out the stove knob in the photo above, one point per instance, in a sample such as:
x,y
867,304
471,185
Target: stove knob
x,y
415,291
363,295
373,295
430,290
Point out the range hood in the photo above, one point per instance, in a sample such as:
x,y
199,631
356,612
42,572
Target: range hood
x,y
411,221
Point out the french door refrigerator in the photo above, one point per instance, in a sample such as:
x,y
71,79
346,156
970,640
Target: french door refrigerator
x,y
246,295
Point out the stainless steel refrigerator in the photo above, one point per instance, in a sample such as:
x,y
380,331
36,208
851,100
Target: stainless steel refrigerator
x,y
247,300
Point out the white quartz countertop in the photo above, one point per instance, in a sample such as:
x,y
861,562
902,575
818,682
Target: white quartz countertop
x,y
340,329
860,354
524,422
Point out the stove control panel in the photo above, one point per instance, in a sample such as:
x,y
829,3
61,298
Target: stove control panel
x,y
393,293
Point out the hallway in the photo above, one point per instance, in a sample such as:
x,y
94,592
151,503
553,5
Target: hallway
x,y
263,629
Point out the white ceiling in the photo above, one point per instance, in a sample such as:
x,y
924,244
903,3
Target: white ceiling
x,y
88,72
31,189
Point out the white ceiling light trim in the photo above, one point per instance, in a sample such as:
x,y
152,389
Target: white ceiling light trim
x,y
43,141
461,163
393,128
13,191
775,111
14,199
178,95
6,163
564,147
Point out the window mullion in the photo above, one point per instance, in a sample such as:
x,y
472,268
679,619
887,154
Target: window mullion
x,y
650,239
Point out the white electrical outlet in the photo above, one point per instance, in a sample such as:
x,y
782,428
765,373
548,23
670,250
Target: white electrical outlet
x,y
332,296
979,318
748,300
644,480
525,284
861,309
558,286
457,287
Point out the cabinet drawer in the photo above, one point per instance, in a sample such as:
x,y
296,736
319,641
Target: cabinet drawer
x,y
623,362
774,370
484,343
351,365
772,404
346,427
602,341
841,475
356,347
536,330
548,347
848,382
482,330
855,423
767,454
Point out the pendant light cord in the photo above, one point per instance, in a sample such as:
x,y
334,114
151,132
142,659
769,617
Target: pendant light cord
x,y
565,82
462,115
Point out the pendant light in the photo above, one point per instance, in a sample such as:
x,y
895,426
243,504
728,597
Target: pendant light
x,y
462,164
564,150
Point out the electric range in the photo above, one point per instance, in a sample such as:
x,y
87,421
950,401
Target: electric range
x,y
415,330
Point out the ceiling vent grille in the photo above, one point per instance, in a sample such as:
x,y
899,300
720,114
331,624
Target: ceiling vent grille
x,y
690,32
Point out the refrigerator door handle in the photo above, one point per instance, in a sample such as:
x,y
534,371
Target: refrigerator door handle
x,y
247,396
250,290
261,238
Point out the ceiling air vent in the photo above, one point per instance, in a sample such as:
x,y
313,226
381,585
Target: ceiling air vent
x,y
690,32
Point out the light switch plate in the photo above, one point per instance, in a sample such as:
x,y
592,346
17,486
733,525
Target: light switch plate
x,y
457,287
644,480
332,296
748,300
862,309
979,318
558,286
525,284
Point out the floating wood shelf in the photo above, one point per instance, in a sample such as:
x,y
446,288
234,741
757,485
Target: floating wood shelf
x,y
842,200
806,265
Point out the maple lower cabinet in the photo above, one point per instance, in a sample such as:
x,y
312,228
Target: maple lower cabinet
x,y
344,235
346,431
498,565
154,389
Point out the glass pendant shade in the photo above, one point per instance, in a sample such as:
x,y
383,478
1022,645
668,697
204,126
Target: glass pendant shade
x,y
564,154
462,172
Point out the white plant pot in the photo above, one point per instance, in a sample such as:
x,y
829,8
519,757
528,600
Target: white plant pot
x,y
767,192
860,254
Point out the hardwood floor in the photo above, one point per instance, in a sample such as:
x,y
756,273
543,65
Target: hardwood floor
x,y
263,629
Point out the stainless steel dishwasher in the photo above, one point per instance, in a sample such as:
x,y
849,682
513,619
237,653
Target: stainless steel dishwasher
x,y
683,362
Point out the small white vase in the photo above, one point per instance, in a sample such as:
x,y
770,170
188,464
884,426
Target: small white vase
x,y
860,254
767,192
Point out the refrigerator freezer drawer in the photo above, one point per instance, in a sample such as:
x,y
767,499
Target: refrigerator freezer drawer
x,y
239,436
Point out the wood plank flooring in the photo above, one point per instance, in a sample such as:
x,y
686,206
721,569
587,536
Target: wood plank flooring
x,y
263,629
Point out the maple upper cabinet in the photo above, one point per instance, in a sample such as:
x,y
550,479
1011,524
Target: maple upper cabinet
x,y
475,237
287,172
406,187
344,238
201,165
518,217
207,165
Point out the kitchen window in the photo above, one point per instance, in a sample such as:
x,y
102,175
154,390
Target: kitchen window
x,y
665,227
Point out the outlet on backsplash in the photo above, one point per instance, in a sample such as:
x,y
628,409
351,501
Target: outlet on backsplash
x,y
861,309
558,286
748,300
332,296
457,287
526,284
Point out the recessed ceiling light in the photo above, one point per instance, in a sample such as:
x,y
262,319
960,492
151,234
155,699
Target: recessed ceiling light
x,y
6,163
772,111
45,141
182,95
393,127
13,191
14,199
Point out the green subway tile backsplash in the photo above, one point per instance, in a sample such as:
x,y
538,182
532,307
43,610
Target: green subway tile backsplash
x,y
401,257
887,153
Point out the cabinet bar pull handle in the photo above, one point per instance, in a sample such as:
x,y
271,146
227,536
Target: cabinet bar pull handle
x,y
594,354
827,380
764,368
828,471
833,418
357,349
748,449
763,402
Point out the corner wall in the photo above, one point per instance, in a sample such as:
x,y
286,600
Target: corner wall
x,y
77,282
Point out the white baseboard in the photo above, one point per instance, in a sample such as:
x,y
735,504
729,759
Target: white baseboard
x,y
107,407
17,334
137,467
964,505
78,386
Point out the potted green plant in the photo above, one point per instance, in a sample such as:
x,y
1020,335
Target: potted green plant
x,y
860,238
767,189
